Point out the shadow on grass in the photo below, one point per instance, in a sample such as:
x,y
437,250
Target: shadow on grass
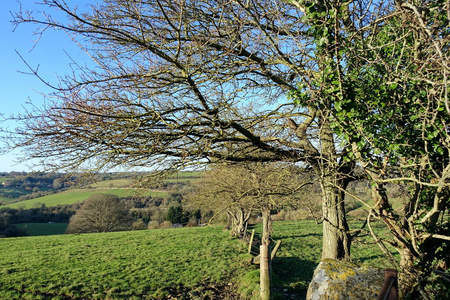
x,y
291,277
277,237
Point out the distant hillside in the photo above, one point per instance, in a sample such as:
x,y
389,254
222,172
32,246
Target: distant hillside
x,y
79,195
121,187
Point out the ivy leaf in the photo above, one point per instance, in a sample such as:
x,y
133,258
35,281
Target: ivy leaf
x,y
393,86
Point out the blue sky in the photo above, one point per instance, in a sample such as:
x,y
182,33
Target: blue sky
x,y
49,54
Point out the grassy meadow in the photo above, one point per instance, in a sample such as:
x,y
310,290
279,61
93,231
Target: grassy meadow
x,y
149,264
36,229
156,264
120,187
119,265
79,195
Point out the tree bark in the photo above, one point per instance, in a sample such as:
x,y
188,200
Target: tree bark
x,y
336,240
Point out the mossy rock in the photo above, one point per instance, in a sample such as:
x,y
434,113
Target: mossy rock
x,y
336,280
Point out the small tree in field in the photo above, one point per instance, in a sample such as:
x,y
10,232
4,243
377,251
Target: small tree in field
x,y
100,213
243,189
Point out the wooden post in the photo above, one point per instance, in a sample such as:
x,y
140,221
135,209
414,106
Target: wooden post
x,y
275,249
250,244
264,267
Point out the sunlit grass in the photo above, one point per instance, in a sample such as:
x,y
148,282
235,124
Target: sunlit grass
x,y
119,265
79,195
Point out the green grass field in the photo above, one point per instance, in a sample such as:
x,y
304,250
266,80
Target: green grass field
x,y
3,179
36,229
79,195
119,265
14,192
119,187
147,264
116,183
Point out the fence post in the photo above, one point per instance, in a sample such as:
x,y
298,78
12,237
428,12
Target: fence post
x,y
265,274
274,251
251,242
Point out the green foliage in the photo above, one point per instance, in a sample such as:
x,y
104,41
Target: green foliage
x,y
175,214
385,90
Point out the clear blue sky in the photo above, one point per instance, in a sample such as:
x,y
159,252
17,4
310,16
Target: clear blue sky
x,y
16,89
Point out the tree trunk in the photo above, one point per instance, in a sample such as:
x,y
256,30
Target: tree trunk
x,y
239,220
336,240
407,276
267,226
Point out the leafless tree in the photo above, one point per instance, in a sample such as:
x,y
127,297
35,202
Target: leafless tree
x,y
100,213
182,82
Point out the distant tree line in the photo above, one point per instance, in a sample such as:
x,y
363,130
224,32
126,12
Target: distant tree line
x,y
134,212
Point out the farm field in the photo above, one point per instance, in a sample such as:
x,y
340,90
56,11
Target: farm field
x,y
120,187
120,265
149,264
36,229
121,183
12,193
78,195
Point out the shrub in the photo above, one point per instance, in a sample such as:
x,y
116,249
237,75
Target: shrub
x,y
138,225
165,224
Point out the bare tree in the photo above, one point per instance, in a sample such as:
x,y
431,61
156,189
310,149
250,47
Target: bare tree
x,y
100,213
178,82
247,189
251,188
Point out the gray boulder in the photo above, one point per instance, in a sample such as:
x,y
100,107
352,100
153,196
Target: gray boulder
x,y
344,280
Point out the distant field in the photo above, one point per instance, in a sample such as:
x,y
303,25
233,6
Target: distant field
x,y
193,174
3,179
6,199
13,192
79,195
120,265
185,176
36,229
116,183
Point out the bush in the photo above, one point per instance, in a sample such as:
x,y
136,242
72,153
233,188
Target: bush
x,y
165,224
153,225
192,222
138,225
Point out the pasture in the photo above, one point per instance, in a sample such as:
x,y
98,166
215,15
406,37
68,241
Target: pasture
x,y
36,229
79,195
153,264
119,265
